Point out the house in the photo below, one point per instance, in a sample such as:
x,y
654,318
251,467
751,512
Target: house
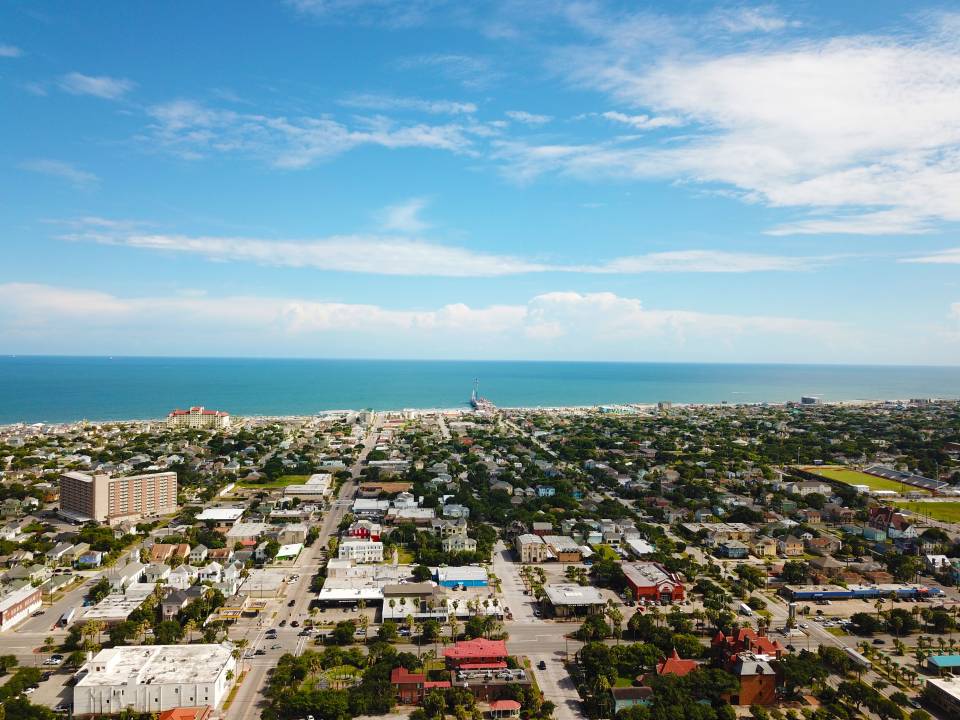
x,y
182,577
627,697
166,553
745,639
198,554
764,547
936,563
532,549
121,577
823,545
546,490
503,709
675,665
790,546
759,679
458,543
827,566
733,549
412,687
176,601
156,572
59,554
542,528
810,516
364,530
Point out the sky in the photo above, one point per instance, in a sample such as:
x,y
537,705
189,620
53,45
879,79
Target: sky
x,y
514,179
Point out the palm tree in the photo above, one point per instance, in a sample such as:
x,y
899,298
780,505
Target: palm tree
x,y
189,627
364,624
616,619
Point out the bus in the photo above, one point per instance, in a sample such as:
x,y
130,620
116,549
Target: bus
x,y
66,617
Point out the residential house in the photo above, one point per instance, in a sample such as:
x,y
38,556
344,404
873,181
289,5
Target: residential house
x,y
790,546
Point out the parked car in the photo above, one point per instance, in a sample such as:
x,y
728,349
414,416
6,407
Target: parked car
x,y
542,665
62,708
294,623
879,641
292,603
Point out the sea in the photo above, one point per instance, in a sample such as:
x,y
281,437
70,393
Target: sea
x,y
64,389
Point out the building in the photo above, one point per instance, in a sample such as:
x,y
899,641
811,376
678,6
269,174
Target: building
x,y
166,552
412,687
477,654
627,697
532,549
676,665
220,518
198,417
733,549
942,664
743,640
758,679
944,693
565,549
317,486
18,604
466,576
652,581
458,543
790,546
154,678
361,551
113,500
568,600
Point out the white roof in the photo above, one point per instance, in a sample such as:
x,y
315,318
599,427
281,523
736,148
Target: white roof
x,y
156,665
573,595
220,514
466,572
291,550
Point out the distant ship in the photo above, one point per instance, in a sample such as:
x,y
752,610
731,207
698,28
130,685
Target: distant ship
x,y
480,403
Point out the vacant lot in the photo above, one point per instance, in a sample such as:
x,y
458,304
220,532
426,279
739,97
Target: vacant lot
x,y
280,482
855,477
943,511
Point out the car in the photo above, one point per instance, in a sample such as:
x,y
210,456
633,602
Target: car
x,y
804,626
38,613
46,676
791,648
542,665
260,651
276,646
323,609
879,641
30,690
283,623
914,703
292,603
294,623
62,708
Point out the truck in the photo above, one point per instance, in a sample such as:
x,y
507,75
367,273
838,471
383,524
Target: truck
x,y
857,657
745,609
66,617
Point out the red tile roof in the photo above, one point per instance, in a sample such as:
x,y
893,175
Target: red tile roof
x,y
504,705
478,648
676,665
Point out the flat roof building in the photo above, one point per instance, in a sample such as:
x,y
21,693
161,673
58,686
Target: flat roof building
x,y
199,417
944,693
112,500
568,599
154,678
18,604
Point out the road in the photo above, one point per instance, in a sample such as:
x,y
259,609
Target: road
x,y
248,701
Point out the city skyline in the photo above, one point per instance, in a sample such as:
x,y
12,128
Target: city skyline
x,y
711,182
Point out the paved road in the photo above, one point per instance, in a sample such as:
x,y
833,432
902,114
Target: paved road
x,y
248,702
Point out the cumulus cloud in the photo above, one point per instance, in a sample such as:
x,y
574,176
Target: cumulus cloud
x,y
63,170
101,86
392,254
566,321
864,131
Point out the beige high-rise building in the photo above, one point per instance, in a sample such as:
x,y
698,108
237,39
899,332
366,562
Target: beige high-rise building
x,y
199,417
115,499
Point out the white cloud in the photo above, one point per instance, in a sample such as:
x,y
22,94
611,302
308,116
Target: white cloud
x,y
571,323
951,256
10,51
522,116
63,170
101,86
641,122
192,130
763,18
846,127
371,101
400,255
405,217
470,71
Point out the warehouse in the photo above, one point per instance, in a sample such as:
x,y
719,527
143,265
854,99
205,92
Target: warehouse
x,y
464,576
864,592
154,678
568,600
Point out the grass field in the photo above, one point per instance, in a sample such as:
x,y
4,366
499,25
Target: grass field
x,y
855,477
943,511
280,482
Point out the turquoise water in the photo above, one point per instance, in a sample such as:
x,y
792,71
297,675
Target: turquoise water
x,y
60,389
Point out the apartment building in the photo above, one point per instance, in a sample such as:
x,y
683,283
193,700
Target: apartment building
x,y
361,551
199,417
113,500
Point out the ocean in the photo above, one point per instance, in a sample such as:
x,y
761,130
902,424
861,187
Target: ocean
x,y
63,389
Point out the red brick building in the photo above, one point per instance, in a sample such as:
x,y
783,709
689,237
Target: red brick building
x,y
652,581
746,640
759,680
412,687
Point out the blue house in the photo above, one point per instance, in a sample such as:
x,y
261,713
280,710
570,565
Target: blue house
x,y
546,491
732,549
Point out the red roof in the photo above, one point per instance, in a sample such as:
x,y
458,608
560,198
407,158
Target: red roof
x,y
430,684
478,648
504,705
186,713
400,675
676,665
483,666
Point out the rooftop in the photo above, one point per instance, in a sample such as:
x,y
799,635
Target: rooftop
x,y
156,665
568,594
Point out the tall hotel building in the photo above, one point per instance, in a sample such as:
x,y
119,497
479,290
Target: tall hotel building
x,y
199,417
112,500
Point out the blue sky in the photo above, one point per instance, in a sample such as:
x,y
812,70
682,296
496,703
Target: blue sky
x,y
520,179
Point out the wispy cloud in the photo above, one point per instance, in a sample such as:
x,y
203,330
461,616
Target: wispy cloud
x,y
761,18
373,101
63,170
527,118
101,86
193,130
470,71
391,254
950,256
641,122
387,13
404,217
10,51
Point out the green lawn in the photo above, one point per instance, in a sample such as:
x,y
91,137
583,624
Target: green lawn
x,y
855,477
943,511
280,482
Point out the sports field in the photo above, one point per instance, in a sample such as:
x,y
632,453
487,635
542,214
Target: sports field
x,y
280,482
944,511
855,477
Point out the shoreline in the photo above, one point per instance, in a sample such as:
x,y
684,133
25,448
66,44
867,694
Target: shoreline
x,y
610,408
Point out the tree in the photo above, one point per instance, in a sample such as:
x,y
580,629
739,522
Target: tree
x,y
7,662
387,631
421,573
344,631
800,670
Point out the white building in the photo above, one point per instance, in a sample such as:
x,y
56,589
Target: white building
x,y
199,417
154,678
361,551
317,486
18,604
